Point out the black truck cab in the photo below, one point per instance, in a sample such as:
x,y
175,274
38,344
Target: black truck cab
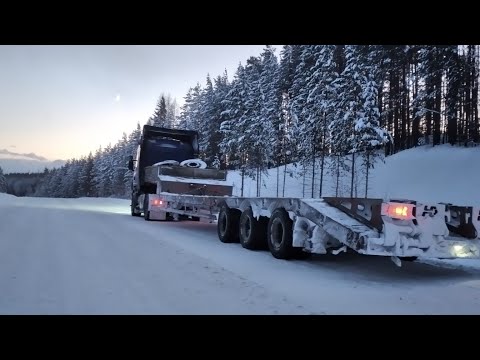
x,y
155,145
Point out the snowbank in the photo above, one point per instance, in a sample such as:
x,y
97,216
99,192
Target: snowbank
x,y
6,198
437,174
431,174
106,205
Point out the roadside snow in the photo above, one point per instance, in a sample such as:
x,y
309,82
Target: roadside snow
x,y
6,198
431,174
425,174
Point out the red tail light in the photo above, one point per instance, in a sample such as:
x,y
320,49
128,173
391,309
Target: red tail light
x,y
157,202
398,211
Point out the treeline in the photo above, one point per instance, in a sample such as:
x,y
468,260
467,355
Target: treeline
x,y
103,174
3,182
352,104
21,184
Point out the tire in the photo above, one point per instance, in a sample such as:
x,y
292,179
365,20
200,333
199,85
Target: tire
x,y
253,232
146,213
280,237
194,163
133,205
168,163
227,226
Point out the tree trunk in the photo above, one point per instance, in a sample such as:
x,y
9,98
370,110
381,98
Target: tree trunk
x,y
338,174
313,176
475,69
243,182
353,174
429,105
321,173
304,177
278,176
313,164
323,159
404,109
258,179
453,82
416,118
468,101
438,107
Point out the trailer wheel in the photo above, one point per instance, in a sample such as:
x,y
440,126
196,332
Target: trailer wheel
x,y
252,231
146,213
227,226
280,235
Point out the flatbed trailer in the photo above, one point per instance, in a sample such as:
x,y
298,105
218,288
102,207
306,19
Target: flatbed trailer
x,y
293,227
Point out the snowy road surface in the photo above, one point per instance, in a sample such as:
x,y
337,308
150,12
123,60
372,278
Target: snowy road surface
x,y
89,256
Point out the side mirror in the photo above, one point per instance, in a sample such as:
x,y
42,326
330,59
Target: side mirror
x,y
130,163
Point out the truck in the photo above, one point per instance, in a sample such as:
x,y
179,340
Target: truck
x,y
170,183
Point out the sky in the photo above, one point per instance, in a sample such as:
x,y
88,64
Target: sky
x,y
61,102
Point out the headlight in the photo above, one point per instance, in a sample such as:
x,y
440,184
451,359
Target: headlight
x,y
461,251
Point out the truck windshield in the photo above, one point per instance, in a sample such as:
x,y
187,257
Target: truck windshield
x,y
161,149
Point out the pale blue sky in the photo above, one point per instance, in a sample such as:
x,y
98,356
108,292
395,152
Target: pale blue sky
x,y
64,101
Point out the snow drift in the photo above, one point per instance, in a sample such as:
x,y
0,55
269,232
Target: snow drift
x,y
427,174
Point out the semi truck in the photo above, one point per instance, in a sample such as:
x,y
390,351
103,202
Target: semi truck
x,y
170,183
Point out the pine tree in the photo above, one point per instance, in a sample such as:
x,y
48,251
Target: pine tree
x,y
289,60
171,113
119,169
3,182
210,117
99,172
159,117
190,111
237,126
230,127
253,162
270,118
320,107
70,182
453,89
131,150
357,125
86,177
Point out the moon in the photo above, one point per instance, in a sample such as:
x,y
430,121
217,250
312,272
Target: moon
x,y
117,98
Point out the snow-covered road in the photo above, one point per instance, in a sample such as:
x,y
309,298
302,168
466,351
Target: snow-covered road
x,y
89,256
